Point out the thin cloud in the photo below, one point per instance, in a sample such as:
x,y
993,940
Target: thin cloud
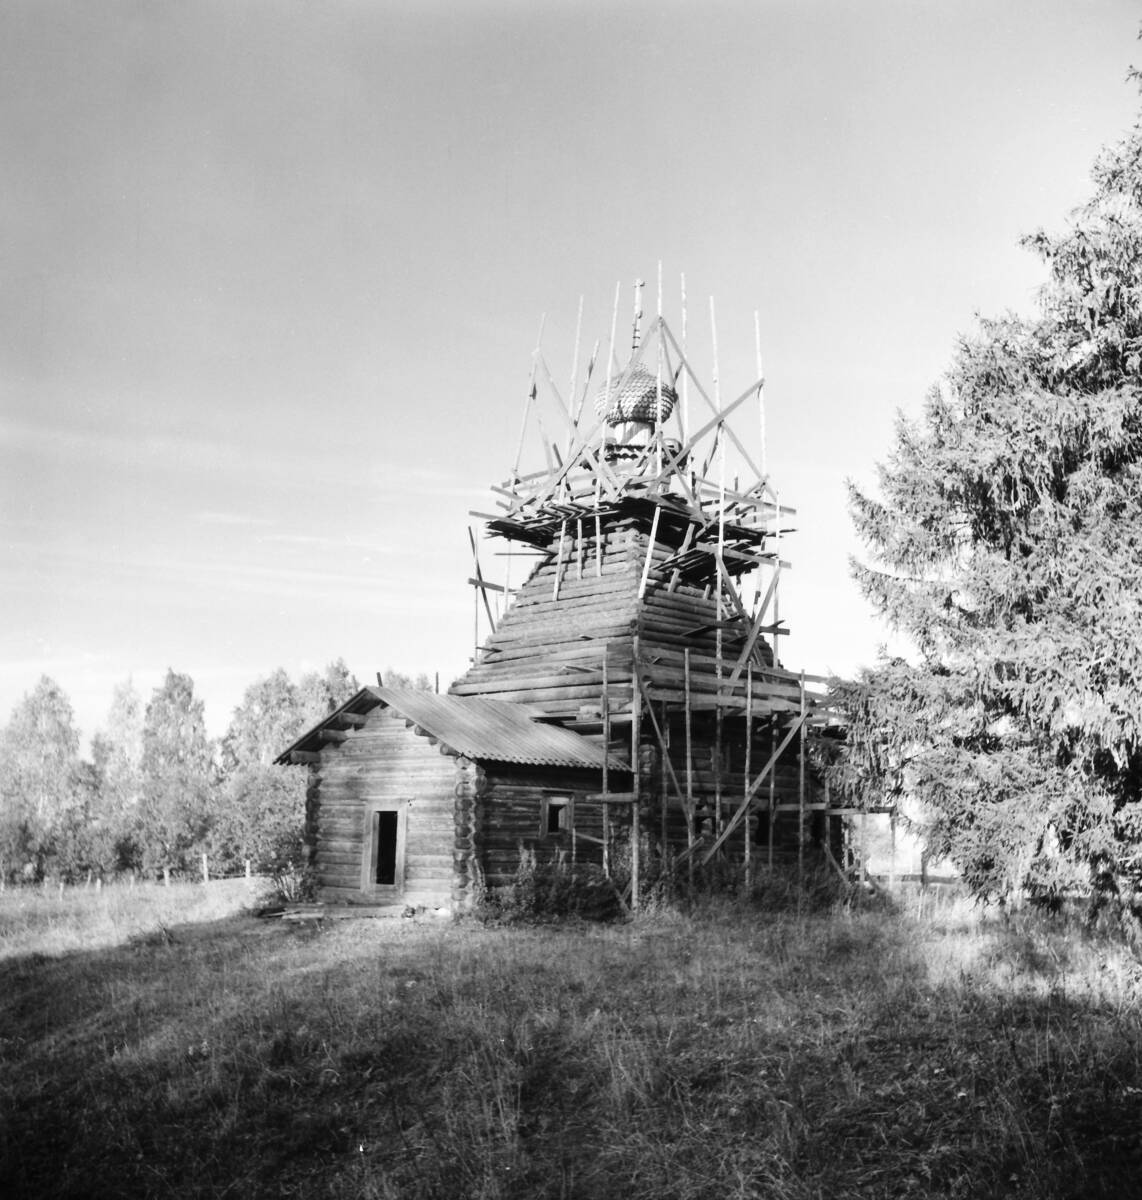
x,y
202,457
230,518
327,541
318,583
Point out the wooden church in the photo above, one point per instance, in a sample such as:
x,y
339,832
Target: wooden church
x,y
629,703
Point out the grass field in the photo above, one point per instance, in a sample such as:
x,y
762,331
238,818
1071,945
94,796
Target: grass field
x,y
927,1052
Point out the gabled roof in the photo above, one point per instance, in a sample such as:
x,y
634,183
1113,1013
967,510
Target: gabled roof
x,y
472,726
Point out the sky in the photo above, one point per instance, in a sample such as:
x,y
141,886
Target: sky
x,y
271,275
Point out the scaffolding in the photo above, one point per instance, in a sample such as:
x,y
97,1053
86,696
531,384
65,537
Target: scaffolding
x,y
653,602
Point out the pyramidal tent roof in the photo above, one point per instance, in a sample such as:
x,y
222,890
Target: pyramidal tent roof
x,y
473,726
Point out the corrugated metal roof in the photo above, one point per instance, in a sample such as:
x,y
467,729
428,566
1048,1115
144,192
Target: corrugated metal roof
x,y
474,726
498,730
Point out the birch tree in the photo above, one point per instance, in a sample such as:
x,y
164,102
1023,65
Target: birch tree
x,y
39,780
175,803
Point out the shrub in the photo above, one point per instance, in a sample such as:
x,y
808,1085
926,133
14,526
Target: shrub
x,y
551,891
292,883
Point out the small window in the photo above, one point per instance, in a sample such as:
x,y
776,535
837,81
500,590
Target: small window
x,y
556,816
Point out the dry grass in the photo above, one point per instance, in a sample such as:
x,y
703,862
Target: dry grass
x,y
722,1054
56,920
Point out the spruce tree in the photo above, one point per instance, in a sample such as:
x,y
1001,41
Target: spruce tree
x,y
1006,545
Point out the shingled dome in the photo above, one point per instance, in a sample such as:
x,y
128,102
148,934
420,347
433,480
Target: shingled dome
x,y
635,397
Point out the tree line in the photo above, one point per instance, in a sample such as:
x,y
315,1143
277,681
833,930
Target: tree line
x,y
1005,543
156,791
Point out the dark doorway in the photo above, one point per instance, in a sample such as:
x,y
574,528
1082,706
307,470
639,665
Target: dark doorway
x,y
382,870
386,841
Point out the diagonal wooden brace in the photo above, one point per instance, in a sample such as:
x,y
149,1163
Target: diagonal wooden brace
x,y
743,808
686,808
755,632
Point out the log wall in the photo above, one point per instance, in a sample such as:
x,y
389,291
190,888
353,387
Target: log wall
x,y
550,644
508,811
721,778
581,607
382,762
600,603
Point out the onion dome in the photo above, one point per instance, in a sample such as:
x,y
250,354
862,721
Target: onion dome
x,y
637,398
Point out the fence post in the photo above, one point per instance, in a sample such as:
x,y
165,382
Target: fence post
x,y
248,873
892,850
205,869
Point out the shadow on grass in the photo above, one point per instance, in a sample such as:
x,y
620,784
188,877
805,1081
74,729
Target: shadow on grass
x,y
719,1054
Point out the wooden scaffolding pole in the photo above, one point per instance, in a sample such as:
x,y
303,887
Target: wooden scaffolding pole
x,y
755,627
760,391
636,777
776,585
689,766
772,795
664,739
662,733
559,561
650,544
755,787
606,715
576,410
720,609
684,413
748,749
530,395
482,585
610,369
801,791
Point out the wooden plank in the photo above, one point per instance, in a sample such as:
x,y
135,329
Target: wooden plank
x,y
649,551
559,561
524,676
755,631
575,649
729,586
589,621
